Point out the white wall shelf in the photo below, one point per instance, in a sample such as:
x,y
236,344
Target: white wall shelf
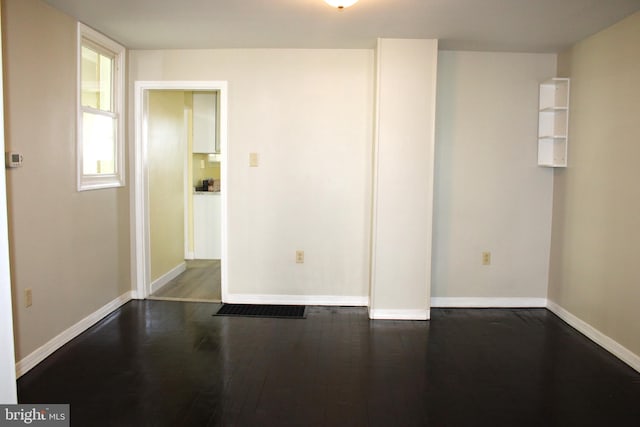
x,y
553,122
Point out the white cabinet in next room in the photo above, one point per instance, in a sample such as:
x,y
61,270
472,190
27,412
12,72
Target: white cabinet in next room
x,y
207,225
204,123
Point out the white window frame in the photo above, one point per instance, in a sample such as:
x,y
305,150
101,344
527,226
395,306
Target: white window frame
x,y
95,182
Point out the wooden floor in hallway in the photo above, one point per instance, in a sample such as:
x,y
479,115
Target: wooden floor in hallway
x,y
166,363
199,282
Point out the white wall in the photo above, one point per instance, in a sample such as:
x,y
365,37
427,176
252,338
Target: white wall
x,y
308,114
7,359
595,273
403,178
490,195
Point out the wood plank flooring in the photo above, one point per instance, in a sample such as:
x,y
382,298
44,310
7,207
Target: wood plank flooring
x,y
199,282
162,363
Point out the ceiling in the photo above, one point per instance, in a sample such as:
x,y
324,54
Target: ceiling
x,y
492,25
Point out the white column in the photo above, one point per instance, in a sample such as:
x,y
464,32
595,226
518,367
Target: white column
x,y
403,179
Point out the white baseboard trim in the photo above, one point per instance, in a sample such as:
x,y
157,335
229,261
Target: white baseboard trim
x,y
463,302
161,281
609,344
30,361
349,301
381,314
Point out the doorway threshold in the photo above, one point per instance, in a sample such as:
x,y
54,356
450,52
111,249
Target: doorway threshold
x,y
151,297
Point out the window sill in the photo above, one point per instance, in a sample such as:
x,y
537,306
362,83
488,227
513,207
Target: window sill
x,y
100,184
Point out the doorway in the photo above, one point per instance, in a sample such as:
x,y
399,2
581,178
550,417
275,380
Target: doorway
x,y
156,274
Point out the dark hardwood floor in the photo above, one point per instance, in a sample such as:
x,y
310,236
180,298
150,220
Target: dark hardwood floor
x,y
162,363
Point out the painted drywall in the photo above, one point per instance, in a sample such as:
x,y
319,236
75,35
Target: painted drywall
x,y
403,178
204,169
490,195
596,218
308,115
167,152
71,248
8,393
188,114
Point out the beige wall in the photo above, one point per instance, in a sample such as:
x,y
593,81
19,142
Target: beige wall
x,y
595,273
490,195
8,392
308,114
167,150
71,248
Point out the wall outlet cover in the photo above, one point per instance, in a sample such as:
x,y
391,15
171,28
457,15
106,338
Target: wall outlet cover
x,y
486,258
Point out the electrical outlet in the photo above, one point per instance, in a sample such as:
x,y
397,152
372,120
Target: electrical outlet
x,y
300,257
486,258
28,297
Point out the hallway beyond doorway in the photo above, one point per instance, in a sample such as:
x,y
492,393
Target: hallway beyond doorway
x,y
199,282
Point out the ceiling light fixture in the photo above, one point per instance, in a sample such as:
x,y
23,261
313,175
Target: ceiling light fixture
x,y
341,4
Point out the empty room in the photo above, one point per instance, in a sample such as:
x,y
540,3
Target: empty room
x,y
320,212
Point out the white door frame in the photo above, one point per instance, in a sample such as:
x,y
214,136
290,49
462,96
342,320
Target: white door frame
x,y
140,260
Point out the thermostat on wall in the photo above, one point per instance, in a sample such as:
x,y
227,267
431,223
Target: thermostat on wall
x,y
12,159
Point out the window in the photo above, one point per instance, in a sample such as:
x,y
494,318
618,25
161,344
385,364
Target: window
x,y
100,140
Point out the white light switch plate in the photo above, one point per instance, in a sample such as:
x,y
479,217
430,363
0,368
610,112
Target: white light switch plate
x,y
253,160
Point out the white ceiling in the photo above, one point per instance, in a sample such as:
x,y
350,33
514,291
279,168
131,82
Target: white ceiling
x,y
494,25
